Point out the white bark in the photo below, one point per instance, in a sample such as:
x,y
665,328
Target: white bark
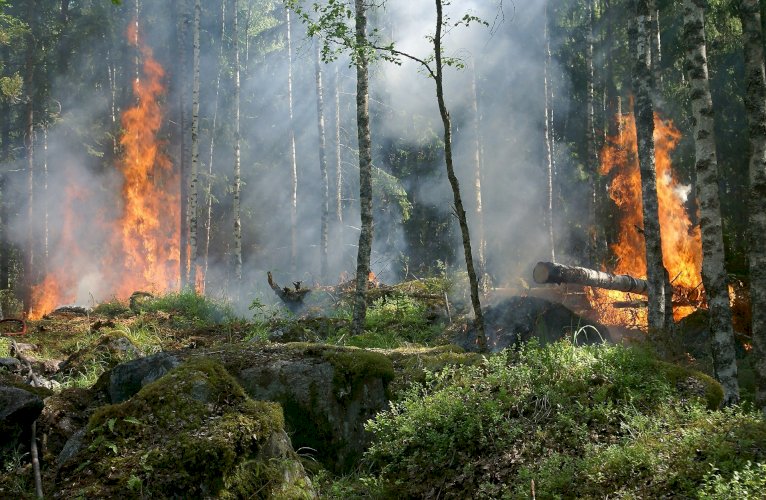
x,y
713,270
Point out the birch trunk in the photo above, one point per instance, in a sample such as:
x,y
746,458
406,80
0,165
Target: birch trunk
x,y
659,316
459,210
755,105
29,149
338,160
213,125
237,172
590,143
325,215
477,175
183,158
194,152
365,169
548,142
656,42
713,270
293,159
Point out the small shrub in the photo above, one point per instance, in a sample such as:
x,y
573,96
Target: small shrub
x,y
750,482
112,308
604,420
192,307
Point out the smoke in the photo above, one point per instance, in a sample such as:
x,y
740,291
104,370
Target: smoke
x,y
83,185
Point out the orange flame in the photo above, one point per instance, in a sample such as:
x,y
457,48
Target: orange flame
x,y
681,242
142,249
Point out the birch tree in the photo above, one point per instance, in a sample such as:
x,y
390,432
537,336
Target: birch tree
x,y
755,105
548,139
325,210
706,164
237,181
293,158
193,175
659,315
332,27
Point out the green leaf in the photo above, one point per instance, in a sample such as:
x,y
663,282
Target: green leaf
x,y
110,424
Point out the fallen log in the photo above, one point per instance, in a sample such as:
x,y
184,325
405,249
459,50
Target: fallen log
x,y
549,272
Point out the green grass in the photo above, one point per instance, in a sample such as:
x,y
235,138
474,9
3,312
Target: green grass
x,y
190,308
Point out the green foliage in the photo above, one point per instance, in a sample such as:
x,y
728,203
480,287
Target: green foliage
x,y
191,307
747,483
112,308
392,321
605,419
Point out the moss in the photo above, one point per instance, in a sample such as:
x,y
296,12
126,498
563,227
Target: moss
x,y
412,363
693,383
184,434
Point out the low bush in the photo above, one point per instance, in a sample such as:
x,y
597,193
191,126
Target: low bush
x,y
590,421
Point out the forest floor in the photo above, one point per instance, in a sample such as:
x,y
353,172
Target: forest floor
x,y
533,421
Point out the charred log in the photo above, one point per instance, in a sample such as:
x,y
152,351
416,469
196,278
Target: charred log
x,y
292,297
549,272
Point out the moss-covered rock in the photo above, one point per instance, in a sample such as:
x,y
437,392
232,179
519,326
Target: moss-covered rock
x,y
327,392
192,433
412,363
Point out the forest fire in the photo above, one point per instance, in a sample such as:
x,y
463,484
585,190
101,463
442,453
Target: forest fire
x,y
681,242
141,242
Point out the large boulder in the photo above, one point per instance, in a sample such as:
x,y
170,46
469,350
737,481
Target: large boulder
x,y
192,433
519,319
327,393
20,405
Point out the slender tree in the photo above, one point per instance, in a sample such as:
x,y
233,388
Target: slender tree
x,y
364,250
325,212
659,315
548,139
477,177
293,156
237,181
755,105
193,175
338,158
183,14
29,147
590,141
713,270
211,157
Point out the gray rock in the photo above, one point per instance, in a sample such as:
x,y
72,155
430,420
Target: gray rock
x,y
325,408
10,364
128,378
71,447
19,406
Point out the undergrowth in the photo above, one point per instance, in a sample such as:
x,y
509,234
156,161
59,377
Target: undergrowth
x,y
190,307
587,422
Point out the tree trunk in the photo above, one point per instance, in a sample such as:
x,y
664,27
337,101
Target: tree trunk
x,y
29,131
459,210
548,141
194,152
364,248
209,187
713,270
549,272
293,158
325,215
477,175
237,172
183,158
755,105
590,143
338,160
656,42
659,317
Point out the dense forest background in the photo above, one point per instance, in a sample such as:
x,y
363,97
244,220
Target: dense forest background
x,y
522,93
